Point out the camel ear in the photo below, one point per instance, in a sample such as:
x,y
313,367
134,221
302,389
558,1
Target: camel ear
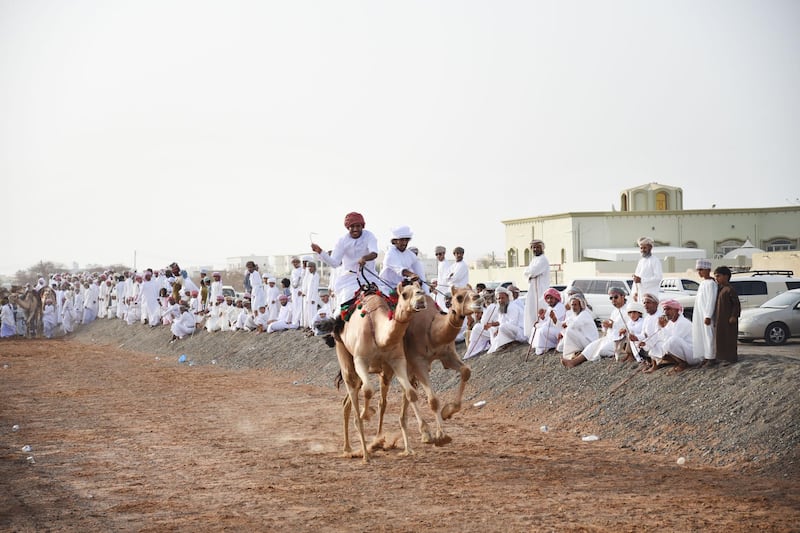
x,y
452,290
399,288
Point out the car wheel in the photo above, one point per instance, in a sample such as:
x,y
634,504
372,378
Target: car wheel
x,y
776,334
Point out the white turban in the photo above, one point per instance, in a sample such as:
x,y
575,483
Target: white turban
x,y
402,232
645,240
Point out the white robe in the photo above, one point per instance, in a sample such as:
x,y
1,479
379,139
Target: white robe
x,y
258,295
284,320
184,325
651,272
704,306
604,346
538,275
678,341
346,254
546,332
580,330
49,320
481,337
458,274
442,282
310,298
148,298
395,262
509,330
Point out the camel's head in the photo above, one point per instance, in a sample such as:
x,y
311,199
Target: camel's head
x,y
412,296
466,301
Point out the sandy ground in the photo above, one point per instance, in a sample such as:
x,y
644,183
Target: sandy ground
x,y
131,441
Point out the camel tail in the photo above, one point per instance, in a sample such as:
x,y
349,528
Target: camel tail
x,y
338,380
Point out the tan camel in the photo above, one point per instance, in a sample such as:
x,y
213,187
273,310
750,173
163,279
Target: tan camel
x,y
31,304
431,337
371,342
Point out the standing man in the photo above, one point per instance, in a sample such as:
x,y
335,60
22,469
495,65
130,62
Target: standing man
x,y
296,298
538,274
258,294
458,273
647,278
703,316
357,249
441,283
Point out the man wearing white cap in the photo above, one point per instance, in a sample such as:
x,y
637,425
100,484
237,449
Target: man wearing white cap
x,y
441,283
310,295
648,274
272,298
296,283
703,316
401,263
215,289
538,274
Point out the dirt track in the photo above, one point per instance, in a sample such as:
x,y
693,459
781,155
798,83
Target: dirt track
x,y
131,441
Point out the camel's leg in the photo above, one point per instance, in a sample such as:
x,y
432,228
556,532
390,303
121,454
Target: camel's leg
x,y
386,382
453,362
346,410
351,382
399,365
419,367
362,369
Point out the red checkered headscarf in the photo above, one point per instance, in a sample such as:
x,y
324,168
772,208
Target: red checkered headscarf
x,y
353,218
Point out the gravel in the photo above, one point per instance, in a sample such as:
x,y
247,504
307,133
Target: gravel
x,y
744,416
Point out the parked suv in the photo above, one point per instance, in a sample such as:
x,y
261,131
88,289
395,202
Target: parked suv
x,y
683,290
596,292
757,286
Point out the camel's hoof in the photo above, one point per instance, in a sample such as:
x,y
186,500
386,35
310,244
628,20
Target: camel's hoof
x,y
427,438
378,443
443,439
449,410
407,453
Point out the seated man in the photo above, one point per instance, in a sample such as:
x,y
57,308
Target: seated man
x,y
184,325
508,326
614,329
284,320
548,325
578,330
480,336
676,340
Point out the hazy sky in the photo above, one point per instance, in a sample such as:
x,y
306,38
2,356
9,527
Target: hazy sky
x,y
194,131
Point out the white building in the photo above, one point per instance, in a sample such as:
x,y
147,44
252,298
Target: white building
x,y
591,243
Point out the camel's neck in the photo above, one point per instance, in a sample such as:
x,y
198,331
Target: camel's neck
x,y
445,328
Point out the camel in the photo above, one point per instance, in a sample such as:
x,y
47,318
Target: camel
x,y
431,337
371,342
31,304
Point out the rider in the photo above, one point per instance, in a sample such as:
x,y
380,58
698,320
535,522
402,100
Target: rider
x,y
355,250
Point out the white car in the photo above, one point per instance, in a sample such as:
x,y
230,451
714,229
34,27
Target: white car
x,y
757,286
774,321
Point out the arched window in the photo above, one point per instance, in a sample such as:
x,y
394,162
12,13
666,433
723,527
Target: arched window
x,y
728,245
512,257
624,202
780,245
661,201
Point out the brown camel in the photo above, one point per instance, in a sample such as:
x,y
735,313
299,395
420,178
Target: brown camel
x,y
371,342
430,337
31,304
